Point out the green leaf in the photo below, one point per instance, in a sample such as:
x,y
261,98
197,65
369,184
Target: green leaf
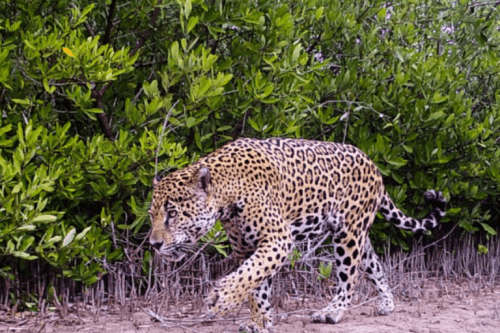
x,y
454,210
397,161
488,229
94,110
87,9
5,129
271,100
382,14
31,46
449,120
197,139
24,255
296,52
190,122
82,234
17,188
28,227
254,125
224,128
54,239
187,8
45,218
193,20
174,51
408,149
438,98
69,238
436,115
21,101
319,13
6,143
48,88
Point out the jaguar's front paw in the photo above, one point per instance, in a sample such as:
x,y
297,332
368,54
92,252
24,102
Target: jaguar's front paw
x,y
327,316
211,301
212,298
386,304
252,327
221,301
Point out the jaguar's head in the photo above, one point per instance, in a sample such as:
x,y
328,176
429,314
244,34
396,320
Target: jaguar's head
x,y
182,210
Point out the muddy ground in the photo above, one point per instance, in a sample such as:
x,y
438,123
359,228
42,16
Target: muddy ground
x,y
456,310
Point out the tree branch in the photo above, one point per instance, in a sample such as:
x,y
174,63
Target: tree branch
x,y
146,35
98,95
109,25
102,117
89,29
239,127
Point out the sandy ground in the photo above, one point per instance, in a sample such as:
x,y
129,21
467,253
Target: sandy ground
x,y
432,313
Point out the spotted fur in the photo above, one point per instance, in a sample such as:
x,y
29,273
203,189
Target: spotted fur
x,y
268,195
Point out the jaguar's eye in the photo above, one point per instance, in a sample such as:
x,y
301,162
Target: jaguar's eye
x,y
172,214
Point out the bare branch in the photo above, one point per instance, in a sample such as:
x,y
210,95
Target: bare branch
x,y
146,35
162,133
109,24
102,117
98,95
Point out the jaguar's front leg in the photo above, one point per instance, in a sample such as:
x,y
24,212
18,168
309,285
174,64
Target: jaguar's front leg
x,y
231,290
260,307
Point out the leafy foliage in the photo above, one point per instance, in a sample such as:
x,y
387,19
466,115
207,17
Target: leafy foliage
x,y
324,270
216,239
85,87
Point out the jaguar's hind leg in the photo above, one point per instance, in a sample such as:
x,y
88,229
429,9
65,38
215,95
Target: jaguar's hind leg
x,y
348,253
372,267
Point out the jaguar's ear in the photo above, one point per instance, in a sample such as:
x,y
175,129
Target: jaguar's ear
x,y
203,179
156,180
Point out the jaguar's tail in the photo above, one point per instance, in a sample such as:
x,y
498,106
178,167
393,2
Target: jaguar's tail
x,y
400,220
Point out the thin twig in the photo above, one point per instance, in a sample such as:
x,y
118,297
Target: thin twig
x,y
192,258
422,253
327,234
161,135
163,321
139,93
147,33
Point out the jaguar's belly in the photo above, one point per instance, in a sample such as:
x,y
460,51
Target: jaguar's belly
x,y
315,226
307,227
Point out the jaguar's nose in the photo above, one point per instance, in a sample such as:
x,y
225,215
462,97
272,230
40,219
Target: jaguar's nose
x,y
157,245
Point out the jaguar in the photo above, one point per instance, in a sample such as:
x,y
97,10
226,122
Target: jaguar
x,y
269,195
